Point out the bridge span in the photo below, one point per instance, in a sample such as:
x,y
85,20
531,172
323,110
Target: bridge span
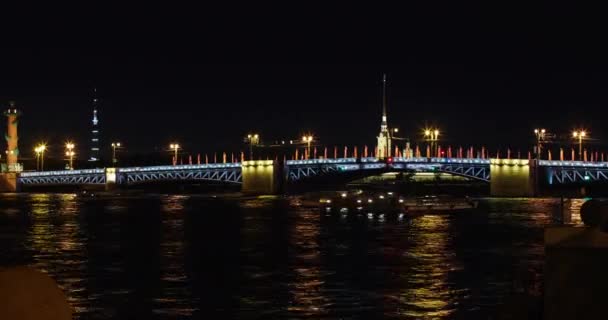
x,y
520,175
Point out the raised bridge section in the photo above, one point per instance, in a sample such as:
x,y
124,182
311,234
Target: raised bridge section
x,y
478,169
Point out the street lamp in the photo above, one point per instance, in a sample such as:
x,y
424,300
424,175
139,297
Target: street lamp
x,y
432,136
69,147
540,136
114,146
174,147
580,134
308,140
252,139
40,156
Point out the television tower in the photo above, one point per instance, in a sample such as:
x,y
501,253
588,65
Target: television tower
x,y
94,153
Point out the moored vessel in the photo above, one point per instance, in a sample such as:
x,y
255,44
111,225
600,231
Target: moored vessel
x,y
389,202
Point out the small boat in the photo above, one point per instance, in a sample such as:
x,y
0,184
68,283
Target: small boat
x,y
86,194
434,204
391,202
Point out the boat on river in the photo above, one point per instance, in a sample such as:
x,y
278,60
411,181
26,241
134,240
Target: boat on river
x,y
391,202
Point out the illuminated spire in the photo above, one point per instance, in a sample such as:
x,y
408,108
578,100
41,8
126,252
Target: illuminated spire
x,y
384,124
384,138
384,98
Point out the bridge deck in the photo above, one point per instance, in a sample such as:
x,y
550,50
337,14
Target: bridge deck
x,y
476,168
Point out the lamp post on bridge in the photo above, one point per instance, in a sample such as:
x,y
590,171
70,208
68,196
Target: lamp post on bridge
x,y
114,146
308,140
175,148
580,134
432,136
69,147
40,156
540,136
252,139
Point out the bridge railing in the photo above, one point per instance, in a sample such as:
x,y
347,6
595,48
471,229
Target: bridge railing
x,y
62,173
587,164
394,159
321,161
181,167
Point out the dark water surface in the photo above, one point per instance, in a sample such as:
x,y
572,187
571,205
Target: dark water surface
x,y
194,257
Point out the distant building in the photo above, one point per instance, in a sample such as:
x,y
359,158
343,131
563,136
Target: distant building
x,y
383,148
94,151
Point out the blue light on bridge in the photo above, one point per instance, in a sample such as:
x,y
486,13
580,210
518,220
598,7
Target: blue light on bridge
x,y
321,161
553,163
62,173
182,167
348,167
374,166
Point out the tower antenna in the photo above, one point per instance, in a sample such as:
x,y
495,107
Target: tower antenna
x,y
94,156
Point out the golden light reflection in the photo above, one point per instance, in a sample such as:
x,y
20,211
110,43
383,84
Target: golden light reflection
x,y
429,290
56,242
306,285
68,209
41,235
54,226
173,203
574,208
172,251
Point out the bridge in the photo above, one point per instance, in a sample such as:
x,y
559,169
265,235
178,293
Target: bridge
x,y
225,173
506,176
477,169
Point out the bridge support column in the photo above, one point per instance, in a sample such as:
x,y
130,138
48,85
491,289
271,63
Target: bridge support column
x,y
9,182
512,178
111,179
262,177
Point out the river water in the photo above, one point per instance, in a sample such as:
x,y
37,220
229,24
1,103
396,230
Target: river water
x,y
195,257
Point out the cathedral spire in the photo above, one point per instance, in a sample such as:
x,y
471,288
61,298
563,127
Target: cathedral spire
x,y
384,124
384,97
384,138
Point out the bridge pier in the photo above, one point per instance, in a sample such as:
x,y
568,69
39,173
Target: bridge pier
x,y
262,177
112,181
513,178
9,182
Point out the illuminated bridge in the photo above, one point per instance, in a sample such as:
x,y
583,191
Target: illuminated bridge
x,y
224,172
478,169
263,175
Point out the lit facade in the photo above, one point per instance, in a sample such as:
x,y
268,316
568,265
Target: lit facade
x,y
12,139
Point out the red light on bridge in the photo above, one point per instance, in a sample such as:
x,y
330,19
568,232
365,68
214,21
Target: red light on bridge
x,y
389,159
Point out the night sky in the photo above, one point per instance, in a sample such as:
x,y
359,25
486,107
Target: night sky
x,y
482,75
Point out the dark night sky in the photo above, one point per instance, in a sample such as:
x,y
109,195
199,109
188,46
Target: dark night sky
x,y
483,75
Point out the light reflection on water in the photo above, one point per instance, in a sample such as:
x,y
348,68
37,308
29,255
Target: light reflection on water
x,y
428,294
168,257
